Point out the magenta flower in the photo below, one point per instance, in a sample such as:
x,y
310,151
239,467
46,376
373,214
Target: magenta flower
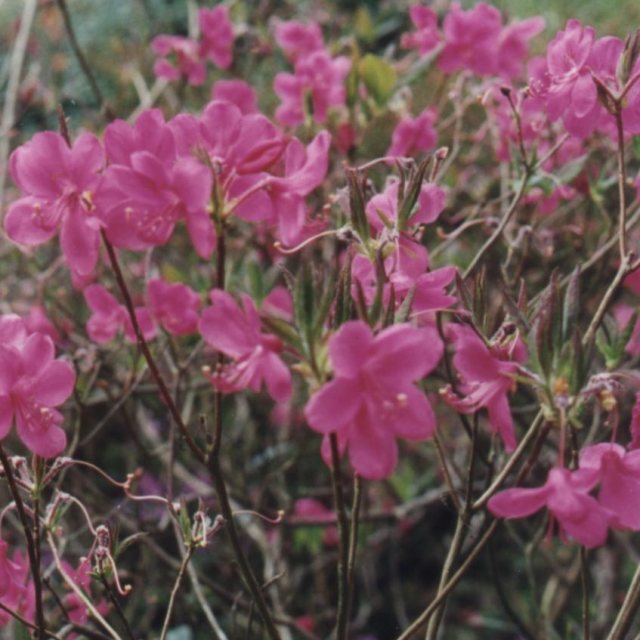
x,y
187,59
297,39
216,36
316,76
513,46
412,135
235,331
572,88
237,92
16,589
58,183
426,36
619,474
486,373
382,209
109,317
406,271
32,383
372,399
471,39
304,170
148,189
566,496
174,305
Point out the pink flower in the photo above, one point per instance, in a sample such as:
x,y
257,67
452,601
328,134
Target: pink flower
x,y
566,495
486,379
235,331
38,322
147,188
317,76
216,33
406,271
109,317
618,472
237,144
426,37
298,39
412,135
304,170
237,92
16,589
175,306
471,39
372,400
32,382
513,46
187,59
382,209
58,183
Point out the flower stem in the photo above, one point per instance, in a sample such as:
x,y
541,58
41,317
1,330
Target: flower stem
x,y
343,549
32,552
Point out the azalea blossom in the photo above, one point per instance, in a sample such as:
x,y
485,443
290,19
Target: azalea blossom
x,y
16,589
187,59
297,39
372,398
566,496
32,383
109,317
426,36
216,36
414,134
486,373
148,188
174,305
618,472
58,183
317,76
234,330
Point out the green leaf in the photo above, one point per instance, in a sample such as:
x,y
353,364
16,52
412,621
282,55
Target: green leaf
x,y
379,77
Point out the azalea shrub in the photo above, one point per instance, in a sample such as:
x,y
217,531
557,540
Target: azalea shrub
x,y
319,324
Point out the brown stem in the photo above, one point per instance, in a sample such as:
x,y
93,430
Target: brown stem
x,y
353,542
82,60
144,347
31,547
174,591
501,225
343,534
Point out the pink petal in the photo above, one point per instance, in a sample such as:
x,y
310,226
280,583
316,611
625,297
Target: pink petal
x,y
277,377
373,452
584,95
349,348
500,420
334,406
37,353
25,221
518,503
400,355
41,433
6,415
412,417
79,242
54,384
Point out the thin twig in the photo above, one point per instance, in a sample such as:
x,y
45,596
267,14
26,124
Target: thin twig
x,y
500,228
174,591
343,534
13,85
353,542
82,60
34,564
144,347
78,591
